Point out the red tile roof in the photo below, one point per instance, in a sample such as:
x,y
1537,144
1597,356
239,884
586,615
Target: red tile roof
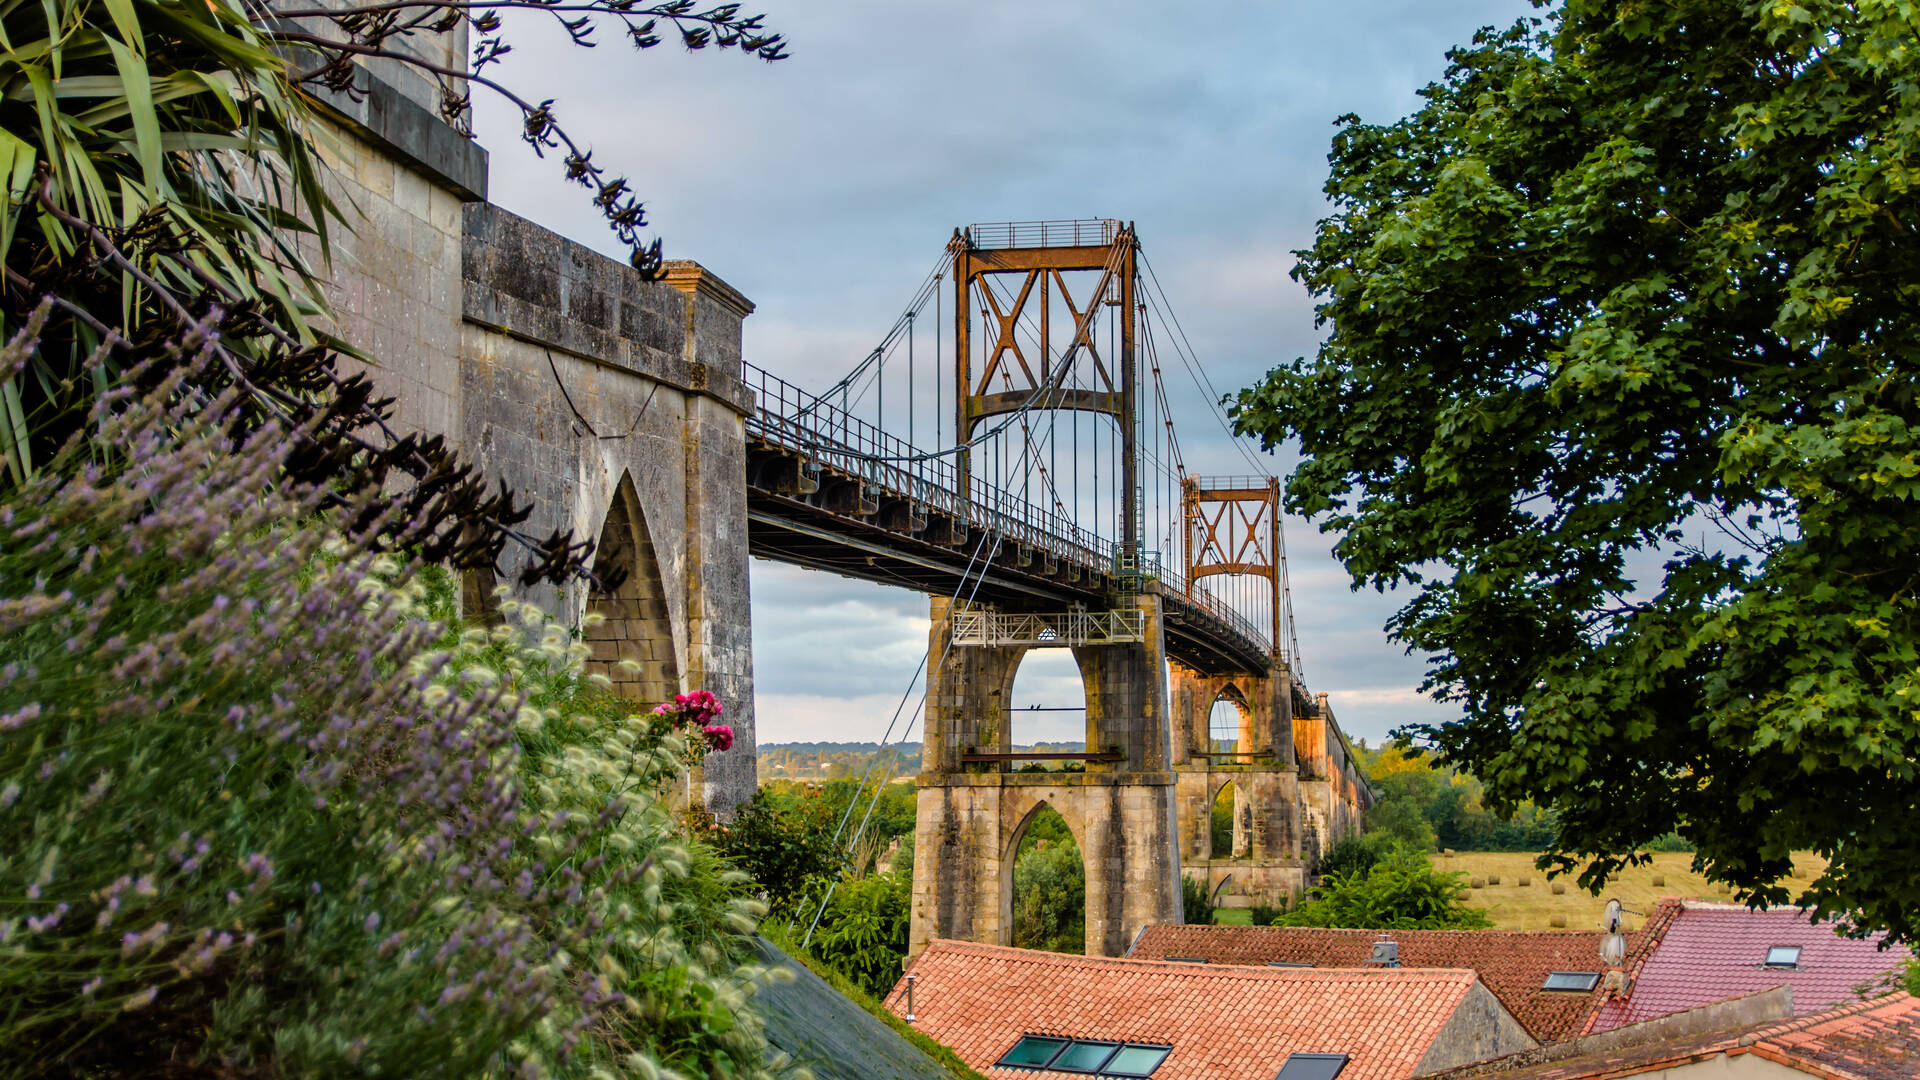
x,y
1514,965
1697,952
1862,1040
1224,1023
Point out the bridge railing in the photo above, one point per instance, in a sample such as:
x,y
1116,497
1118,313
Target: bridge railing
x,y
830,435
1081,232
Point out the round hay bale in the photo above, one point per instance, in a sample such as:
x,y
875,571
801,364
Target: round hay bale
x,y
1659,880
1493,879
1559,888
1478,883
1558,922
1526,880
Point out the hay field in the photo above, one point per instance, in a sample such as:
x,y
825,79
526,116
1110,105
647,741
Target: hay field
x,y
1514,906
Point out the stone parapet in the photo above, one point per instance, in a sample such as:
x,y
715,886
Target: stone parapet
x,y
526,282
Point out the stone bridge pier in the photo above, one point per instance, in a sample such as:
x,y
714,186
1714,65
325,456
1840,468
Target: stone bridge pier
x,y
973,808
1280,769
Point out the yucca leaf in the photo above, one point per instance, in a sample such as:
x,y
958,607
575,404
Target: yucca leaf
x,y
139,94
14,444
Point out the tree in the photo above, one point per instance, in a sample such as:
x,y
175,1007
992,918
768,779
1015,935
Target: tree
x,y
1402,891
1619,381
1049,887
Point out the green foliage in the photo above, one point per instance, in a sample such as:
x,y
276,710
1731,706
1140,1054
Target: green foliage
x,y
1620,383
1262,915
1220,823
1401,892
266,810
1353,857
1196,900
1049,887
864,932
786,846
1400,814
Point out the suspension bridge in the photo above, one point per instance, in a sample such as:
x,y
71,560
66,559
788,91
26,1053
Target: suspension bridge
x,y
1010,450
1048,434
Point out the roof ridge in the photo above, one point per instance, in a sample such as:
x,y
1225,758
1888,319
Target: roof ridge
x,y
1813,1020
1487,932
1430,974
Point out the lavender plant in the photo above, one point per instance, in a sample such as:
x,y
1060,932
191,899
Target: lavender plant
x,y
267,809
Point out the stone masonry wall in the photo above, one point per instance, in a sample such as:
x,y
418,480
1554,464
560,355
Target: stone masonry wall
x,y
971,815
579,380
559,371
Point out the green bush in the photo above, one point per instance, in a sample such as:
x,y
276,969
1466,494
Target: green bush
x,y
1401,892
864,931
1220,827
1196,900
1352,857
785,847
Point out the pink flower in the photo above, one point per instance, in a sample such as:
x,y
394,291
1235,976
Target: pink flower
x,y
720,735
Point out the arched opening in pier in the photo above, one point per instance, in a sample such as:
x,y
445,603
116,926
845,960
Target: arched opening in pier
x,y
1049,885
634,625
1228,822
1227,727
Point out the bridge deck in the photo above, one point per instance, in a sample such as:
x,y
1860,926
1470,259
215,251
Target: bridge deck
x,y
829,491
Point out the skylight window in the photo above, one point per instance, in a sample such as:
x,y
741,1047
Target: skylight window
x,y
1136,1060
1288,963
1188,960
1783,956
1580,981
1311,1067
1094,1057
1032,1052
1084,1057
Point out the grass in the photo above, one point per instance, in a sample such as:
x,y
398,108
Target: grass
x,y
1513,906
1227,916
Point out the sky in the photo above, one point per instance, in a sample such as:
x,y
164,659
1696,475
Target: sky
x,y
824,187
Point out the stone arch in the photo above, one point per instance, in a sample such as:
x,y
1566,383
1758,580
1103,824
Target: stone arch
x,y
634,625
1023,807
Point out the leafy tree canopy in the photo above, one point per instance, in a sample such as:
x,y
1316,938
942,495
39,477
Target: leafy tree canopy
x,y
1402,891
1619,381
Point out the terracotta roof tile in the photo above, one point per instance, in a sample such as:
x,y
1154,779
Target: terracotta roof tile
x,y
1513,964
1706,952
1223,1022
1862,1040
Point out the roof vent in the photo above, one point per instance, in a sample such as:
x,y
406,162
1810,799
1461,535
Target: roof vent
x,y
1386,953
